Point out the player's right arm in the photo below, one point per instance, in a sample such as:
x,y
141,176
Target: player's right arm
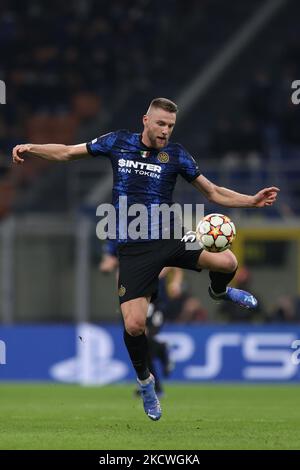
x,y
53,152
101,146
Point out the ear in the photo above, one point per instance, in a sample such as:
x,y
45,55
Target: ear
x,y
145,119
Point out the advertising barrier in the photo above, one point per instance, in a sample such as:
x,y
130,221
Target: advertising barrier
x,y
95,354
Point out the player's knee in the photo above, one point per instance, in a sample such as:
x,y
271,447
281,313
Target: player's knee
x,y
230,263
134,327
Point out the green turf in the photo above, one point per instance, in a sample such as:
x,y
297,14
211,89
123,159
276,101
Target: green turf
x,y
194,417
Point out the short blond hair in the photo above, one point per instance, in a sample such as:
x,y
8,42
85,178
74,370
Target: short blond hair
x,y
165,104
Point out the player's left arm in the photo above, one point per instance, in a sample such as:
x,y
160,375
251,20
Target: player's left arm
x,y
228,198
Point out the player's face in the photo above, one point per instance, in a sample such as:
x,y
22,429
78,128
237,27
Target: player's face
x,y
158,127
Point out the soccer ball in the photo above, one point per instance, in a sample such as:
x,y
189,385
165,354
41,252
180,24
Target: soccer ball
x,y
215,232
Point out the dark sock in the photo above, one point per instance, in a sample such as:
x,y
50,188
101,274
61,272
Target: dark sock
x,y
219,281
137,347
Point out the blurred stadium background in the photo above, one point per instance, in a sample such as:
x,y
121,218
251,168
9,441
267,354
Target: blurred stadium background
x,y
75,70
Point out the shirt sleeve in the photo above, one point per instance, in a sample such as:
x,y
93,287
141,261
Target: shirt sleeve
x,y
188,167
101,146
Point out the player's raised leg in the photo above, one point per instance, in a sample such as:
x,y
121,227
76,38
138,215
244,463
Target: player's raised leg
x,y
222,268
134,314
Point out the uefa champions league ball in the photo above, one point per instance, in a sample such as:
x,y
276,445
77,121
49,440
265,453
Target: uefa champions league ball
x,y
215,232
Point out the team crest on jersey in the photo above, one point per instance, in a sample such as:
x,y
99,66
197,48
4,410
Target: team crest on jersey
x,y
122,291
163,157
145,154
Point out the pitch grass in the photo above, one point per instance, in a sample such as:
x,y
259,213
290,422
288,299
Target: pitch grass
x,y
105,418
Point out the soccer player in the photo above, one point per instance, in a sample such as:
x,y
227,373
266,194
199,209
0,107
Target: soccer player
x,y
145,167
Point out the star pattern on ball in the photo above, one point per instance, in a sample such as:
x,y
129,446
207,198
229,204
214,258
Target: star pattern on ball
x,y
215,232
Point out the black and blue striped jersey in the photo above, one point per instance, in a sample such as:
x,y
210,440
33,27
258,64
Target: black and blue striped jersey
x,y
143,175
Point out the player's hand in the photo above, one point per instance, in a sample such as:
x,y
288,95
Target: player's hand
x,y
108,264
19,152
265,197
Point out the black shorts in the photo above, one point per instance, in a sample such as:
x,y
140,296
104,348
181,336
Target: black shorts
x,y
140,264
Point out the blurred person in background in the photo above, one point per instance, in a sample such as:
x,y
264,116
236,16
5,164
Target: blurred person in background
x,y
109,261
285,310
178,304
